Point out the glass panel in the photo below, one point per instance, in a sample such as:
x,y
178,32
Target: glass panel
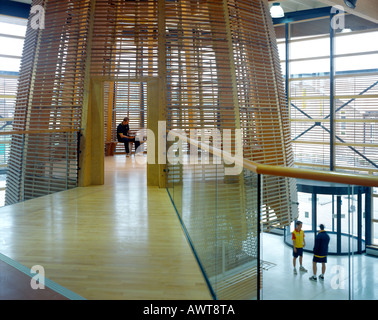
x,y
326,215
10,64
375,208
219,213
357,62
3,178
283,69
375,232
309,68
310,48
375,217
362,42
305,211
11,46
13,25
237,237
282,51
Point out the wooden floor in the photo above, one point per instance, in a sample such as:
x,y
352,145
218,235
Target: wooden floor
x,y
121,240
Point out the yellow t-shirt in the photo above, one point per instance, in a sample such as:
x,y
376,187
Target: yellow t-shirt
x,y
298,237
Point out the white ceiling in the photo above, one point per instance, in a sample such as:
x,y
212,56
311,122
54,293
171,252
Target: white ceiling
x,y
288,5
367,9
299,5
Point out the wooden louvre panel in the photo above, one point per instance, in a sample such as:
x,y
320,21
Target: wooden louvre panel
x,y
223,72
125,39
200,96
129,100
124,48
50,97
263,109
14,174
217,66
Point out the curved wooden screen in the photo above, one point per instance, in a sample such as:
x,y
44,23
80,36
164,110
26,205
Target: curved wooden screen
x,y
50,96
223,72
217,67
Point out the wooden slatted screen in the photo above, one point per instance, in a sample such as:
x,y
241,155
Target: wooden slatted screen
x,y
223,72
218,68
50,96
129,101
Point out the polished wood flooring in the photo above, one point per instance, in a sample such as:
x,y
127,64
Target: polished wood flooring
x,y
120,240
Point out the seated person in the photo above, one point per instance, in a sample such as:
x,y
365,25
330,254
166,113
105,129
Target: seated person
x,y
125,135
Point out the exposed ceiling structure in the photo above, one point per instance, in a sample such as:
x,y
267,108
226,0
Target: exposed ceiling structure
x,y
366,9
297,5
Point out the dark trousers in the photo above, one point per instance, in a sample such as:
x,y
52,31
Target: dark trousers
x,y
126,143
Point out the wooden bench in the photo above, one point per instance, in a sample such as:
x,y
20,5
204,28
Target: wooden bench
x,y
110,147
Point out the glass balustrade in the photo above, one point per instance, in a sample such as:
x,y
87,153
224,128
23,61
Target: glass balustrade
x,y
219,213
223,217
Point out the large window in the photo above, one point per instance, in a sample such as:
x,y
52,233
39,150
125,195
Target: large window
x,y
333,129
375,218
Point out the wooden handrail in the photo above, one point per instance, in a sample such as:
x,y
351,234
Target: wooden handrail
x,y
328,176
7,133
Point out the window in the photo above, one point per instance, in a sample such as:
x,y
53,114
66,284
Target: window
x,y
355,100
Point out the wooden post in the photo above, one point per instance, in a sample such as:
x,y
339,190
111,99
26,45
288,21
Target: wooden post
x,y
91,159
109,125
92,146
162,75
153,169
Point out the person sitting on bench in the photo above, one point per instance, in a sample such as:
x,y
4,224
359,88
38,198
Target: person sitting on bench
x,y
126,136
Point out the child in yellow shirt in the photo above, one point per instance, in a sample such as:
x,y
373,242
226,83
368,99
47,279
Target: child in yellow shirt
x,y
299,242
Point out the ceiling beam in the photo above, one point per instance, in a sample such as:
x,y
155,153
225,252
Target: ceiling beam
x,y
14,9
366,9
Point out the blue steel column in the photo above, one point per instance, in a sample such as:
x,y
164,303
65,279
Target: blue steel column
x,y
359,221
338,228
314,213
259,261
332,101
287,69
368,219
